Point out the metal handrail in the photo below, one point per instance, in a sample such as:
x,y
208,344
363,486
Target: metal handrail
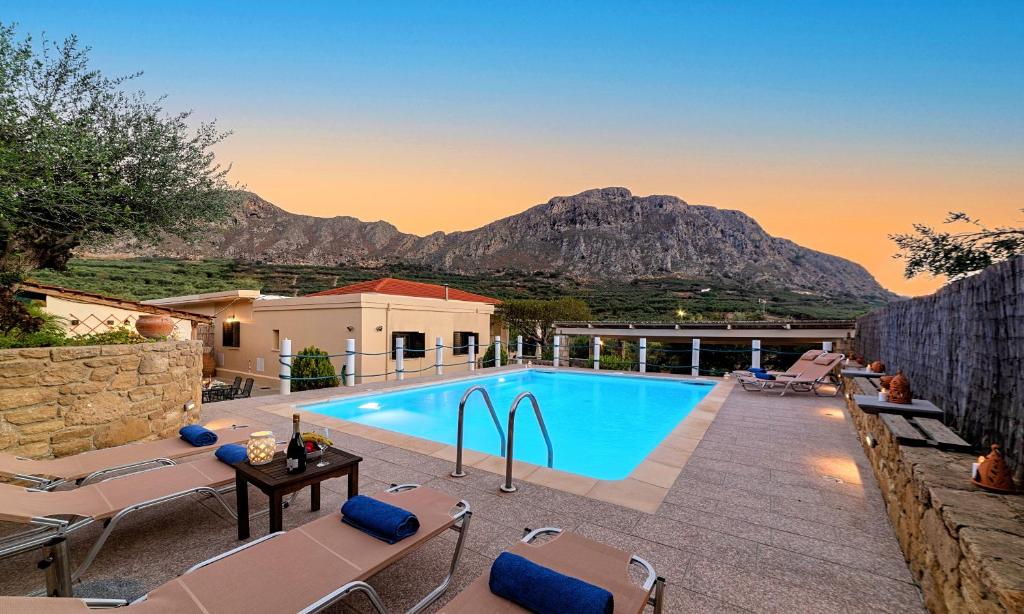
x,y
458,473
507,486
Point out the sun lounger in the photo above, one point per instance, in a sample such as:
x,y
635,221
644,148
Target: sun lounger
x,y
811,378
89,466
306,569
578,557
52,515
794,369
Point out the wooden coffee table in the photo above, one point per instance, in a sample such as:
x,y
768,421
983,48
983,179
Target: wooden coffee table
x,y
276,482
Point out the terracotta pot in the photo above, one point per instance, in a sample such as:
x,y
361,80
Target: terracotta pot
x,y
877,367
899,389
885,381
153,327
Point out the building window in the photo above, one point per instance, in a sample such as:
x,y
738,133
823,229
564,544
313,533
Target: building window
x,y
414,344
460,342
231,338
276,342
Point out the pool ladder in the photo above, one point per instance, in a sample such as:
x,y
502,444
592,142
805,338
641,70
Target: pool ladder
x,y
507,452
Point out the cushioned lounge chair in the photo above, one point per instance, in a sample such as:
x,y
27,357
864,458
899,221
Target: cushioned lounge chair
x,y
52,515
576,556
88,467
811,378
794,369
306,569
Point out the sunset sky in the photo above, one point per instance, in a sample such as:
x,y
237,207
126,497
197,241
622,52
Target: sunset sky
x,y
832,124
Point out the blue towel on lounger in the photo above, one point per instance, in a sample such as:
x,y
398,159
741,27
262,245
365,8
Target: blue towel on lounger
x,y
231,453
762,375
198,435
756,370
544,590
377,519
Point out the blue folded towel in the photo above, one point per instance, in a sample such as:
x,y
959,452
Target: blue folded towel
x,y
763,375
544,590
378,519
756,370
198,435
231,453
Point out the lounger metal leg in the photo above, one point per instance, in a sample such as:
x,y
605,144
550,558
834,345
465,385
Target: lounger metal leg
x,y
658,601
114,520
57,565
443,586
357,586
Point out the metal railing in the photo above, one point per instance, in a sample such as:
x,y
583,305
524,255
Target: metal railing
x,y
507,486
458,473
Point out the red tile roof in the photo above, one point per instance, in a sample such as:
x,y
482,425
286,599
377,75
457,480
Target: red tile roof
x,y
402,287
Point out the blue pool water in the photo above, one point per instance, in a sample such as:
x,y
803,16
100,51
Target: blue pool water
x,y
601,426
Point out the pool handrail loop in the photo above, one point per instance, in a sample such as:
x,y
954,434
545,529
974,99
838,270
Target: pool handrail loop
x,y
507,486
458,473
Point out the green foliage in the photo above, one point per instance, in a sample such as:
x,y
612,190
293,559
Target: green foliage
x,y
615,362
83,162
312,362
488,359
956,255
642,299
51,333
532,318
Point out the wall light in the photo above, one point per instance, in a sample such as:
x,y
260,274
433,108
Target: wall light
x,y
870,440
380,327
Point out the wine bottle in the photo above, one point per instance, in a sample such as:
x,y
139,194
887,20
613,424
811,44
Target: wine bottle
x,y
295,457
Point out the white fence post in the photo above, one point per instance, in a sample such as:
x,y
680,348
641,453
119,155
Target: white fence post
x,y
439,355
472,353
556,350
399,357
286,366
643,354
695,358
350,361
597,352
826,346
755,353
497,350
519,349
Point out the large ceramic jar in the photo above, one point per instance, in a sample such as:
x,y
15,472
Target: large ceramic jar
x,y
154,327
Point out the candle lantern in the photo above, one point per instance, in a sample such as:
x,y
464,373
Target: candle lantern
x,y
261,447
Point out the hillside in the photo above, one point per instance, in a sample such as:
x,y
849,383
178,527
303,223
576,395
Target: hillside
x,y
595,237
640,299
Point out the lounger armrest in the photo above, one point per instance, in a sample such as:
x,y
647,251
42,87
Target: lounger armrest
x,y
103,604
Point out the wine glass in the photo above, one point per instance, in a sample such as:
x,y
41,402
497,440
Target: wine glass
x,y
323,455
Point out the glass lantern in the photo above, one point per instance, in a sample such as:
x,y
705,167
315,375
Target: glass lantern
x,y
261,447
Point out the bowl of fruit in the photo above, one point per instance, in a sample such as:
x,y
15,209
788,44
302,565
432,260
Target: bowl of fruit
x,y
315,444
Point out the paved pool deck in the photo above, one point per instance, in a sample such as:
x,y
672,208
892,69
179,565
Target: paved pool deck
x,y
774,510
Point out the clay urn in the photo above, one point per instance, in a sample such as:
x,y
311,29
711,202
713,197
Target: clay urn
x,y
209,363
877,367
885,381
154,327
899,389
993,473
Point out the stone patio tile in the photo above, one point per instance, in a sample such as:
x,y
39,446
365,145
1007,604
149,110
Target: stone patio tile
x,y
843,555
681,599
414,460
569,482
772,520
706,465
496,464
667,455
448,453
716,522
685,487
736,551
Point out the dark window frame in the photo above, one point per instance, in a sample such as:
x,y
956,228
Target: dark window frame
x,y
460,338
411,350
231,334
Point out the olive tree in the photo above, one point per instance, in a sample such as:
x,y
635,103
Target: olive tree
x,y
83,161
957,254
532,318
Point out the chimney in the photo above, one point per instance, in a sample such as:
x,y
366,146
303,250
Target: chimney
x,y
446,292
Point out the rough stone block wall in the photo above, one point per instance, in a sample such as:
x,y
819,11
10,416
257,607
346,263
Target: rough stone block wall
x,y
65,400
964,546
963,349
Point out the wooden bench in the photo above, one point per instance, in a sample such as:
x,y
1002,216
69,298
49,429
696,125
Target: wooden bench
x,y
918,407
923,432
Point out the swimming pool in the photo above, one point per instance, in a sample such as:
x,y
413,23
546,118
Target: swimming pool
x,y
601,425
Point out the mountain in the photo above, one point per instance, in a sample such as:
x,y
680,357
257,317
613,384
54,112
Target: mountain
x,y
603,234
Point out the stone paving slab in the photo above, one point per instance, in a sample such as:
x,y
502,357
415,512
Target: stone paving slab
x,y
776,510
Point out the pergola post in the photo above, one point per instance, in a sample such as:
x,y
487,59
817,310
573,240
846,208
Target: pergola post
x,y
755,353
695,358
643,354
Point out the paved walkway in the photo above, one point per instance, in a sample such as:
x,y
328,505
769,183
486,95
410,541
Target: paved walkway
x,y
776,511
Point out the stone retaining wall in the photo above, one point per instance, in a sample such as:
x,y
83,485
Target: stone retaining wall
x,y
965,546
65,400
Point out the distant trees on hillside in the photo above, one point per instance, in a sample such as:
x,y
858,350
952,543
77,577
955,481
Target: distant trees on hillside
x,y
959,254
82,161
532,318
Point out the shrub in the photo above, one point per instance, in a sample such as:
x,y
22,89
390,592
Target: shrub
x,y
52,334
614,362
312,362
488,359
